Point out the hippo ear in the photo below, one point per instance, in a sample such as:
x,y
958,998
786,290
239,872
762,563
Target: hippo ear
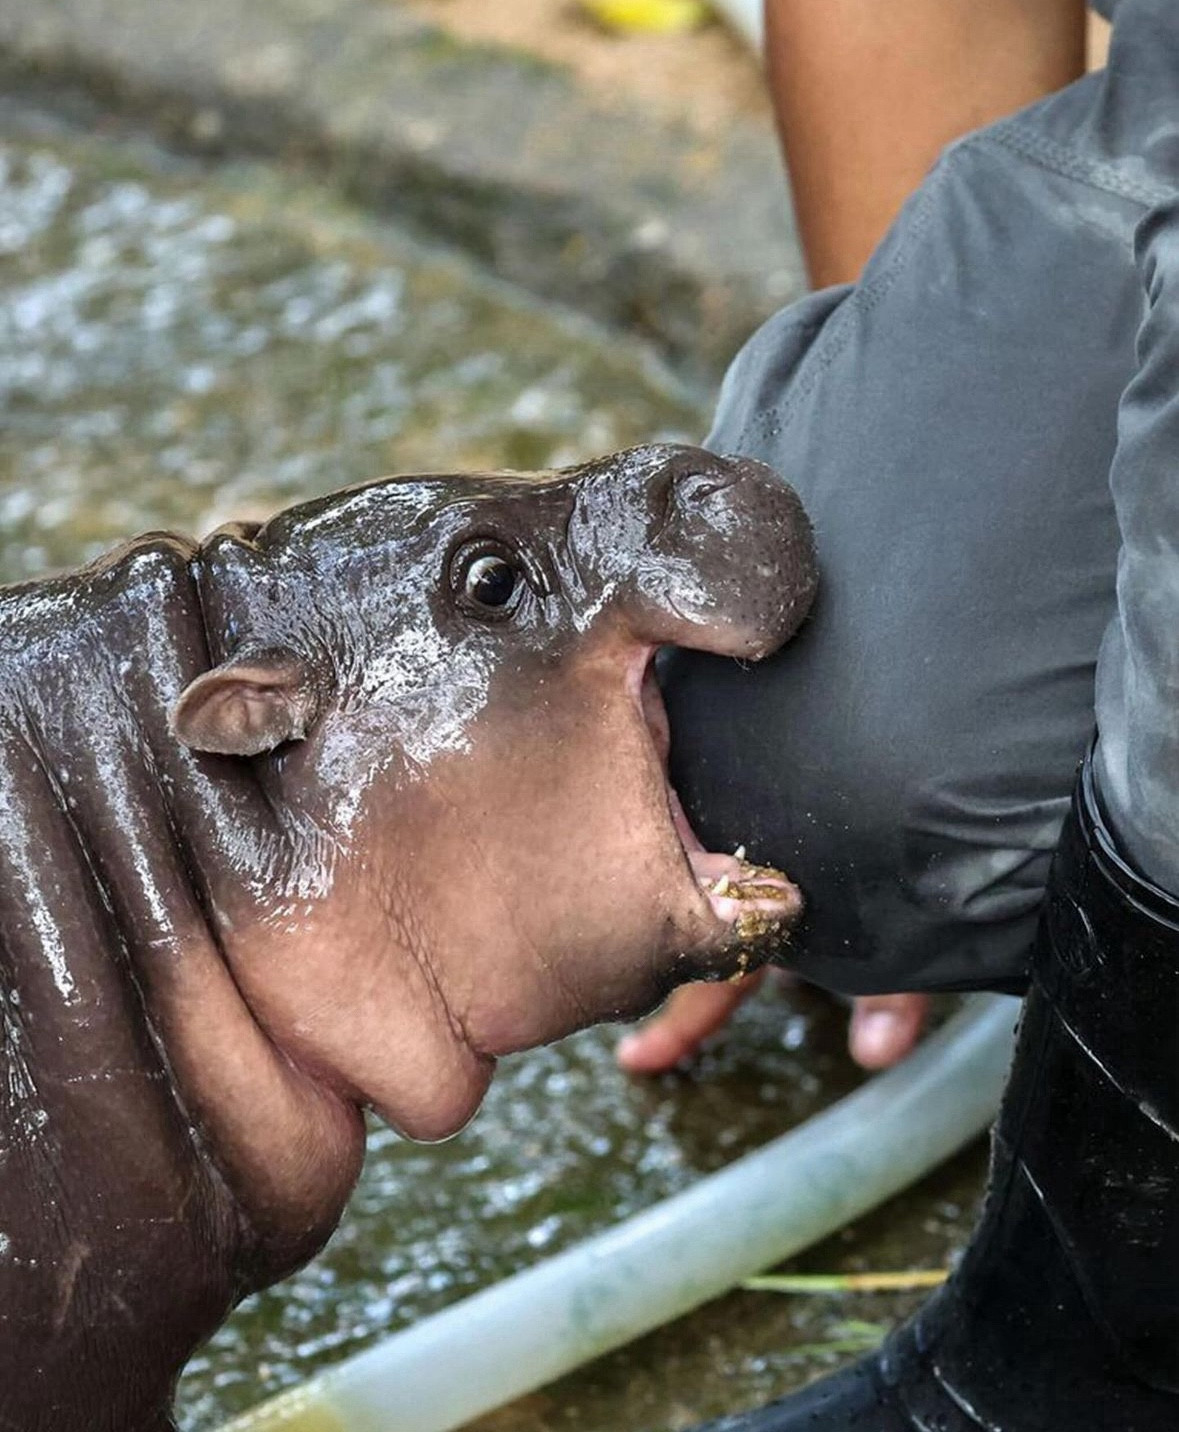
x,y
247,705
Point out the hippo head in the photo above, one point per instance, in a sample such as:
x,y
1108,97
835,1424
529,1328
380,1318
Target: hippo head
x,y
444,686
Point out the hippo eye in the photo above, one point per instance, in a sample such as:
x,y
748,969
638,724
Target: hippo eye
x,y
490,582
487,582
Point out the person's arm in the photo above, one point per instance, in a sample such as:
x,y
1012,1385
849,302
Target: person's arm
x,y
867,92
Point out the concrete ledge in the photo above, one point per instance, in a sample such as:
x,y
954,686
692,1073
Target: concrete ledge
x,y
642,223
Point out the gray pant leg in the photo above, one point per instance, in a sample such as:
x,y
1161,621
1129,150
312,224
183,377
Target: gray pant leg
x,y
950,423
1138,671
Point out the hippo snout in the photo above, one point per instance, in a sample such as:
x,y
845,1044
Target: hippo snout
x,y
722,557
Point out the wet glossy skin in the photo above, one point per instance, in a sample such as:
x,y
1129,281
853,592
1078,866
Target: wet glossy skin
x,y
325,815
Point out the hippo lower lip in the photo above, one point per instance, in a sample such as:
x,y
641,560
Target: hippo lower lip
x,y
748,903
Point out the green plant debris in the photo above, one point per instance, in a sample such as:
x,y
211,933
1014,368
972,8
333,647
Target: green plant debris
x,y
889,1282
851,1336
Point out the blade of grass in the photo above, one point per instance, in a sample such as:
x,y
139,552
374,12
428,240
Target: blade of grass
x,y
833,1345
891,1282
851,1335
858,1328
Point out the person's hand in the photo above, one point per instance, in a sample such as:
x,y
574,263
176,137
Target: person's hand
x,y
883,1028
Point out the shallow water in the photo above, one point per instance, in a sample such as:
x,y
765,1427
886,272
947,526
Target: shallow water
x,y
176,349
180,346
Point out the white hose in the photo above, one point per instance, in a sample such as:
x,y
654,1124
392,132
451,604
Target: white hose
x,y
532,1328
746,18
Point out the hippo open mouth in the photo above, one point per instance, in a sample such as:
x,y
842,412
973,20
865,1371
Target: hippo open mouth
x,y
749,904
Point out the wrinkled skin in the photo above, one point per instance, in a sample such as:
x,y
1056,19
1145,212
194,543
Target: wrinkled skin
x,y
328,815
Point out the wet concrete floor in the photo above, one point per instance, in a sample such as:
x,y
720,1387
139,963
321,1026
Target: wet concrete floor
x,y
181,345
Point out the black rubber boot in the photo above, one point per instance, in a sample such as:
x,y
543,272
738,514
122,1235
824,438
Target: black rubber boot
x,y
1063,1315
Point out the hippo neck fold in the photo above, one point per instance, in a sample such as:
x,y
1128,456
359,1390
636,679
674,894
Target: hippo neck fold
x,y
155,854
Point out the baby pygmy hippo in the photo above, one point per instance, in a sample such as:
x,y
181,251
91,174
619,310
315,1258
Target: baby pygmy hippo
x,y
323,815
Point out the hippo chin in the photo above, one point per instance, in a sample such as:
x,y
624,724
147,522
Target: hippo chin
x,y
326,815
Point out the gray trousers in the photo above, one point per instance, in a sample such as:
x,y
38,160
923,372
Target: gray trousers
x,y
985,431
